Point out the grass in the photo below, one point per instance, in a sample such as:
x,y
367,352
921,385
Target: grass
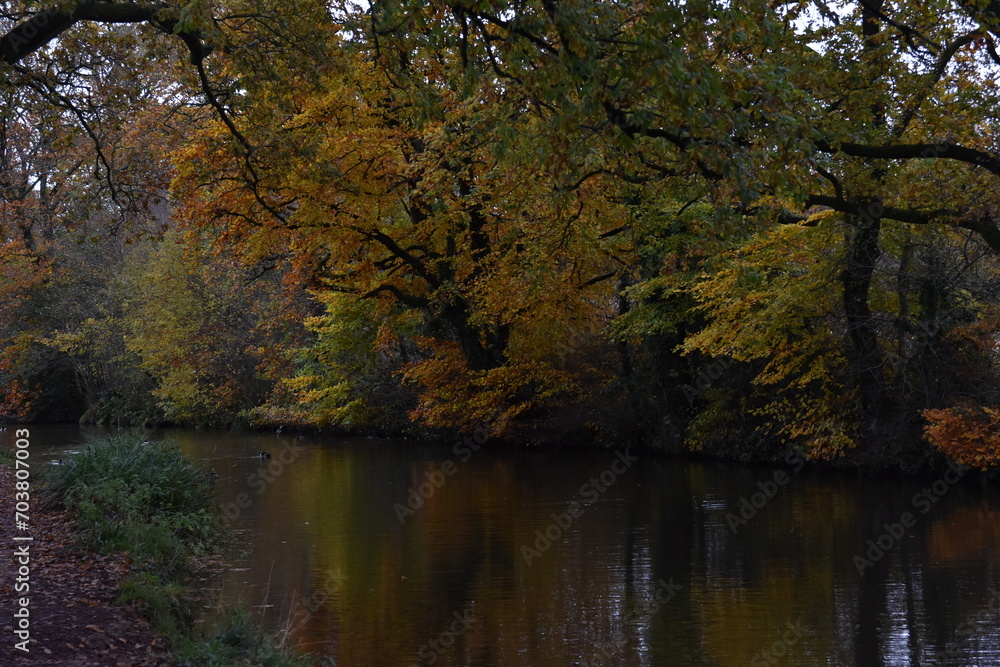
x,y
145,499
235,640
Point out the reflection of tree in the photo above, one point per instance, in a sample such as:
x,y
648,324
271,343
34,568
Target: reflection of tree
x,y
402,584
963,534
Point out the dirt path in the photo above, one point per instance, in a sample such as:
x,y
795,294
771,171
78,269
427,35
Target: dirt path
x,y
73,618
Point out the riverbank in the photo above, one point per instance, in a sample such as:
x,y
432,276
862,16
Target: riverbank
x,y
123,537
74,619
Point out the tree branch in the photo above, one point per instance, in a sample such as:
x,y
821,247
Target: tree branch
x,y
406,299
390,244
913,151
982,225
932,78
33,33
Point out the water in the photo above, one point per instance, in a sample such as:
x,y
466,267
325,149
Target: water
x,y
521,557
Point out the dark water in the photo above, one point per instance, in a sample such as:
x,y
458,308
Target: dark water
x,y
471,578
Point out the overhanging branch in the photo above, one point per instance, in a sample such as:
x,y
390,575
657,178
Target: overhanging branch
x,y
946,151
982,225
35,32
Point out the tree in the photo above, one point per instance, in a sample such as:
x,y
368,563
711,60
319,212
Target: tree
x,y
541,194
208,331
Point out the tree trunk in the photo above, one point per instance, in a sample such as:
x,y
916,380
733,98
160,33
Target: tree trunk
x,y
862,254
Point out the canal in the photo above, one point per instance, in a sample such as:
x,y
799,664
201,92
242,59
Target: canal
x,y
399,553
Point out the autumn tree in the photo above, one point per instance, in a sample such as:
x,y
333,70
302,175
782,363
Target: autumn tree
x,y
82,177
553,200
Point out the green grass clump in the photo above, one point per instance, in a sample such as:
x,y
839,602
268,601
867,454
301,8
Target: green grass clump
x,y
166,603
140,497
236,640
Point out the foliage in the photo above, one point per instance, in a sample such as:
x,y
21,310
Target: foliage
x,y
771,300
456,396
145,499
200,325
420,213
166,602
495,215
345,378
969,435
21,271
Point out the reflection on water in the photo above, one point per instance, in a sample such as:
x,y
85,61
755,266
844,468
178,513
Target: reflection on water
x,y
399,553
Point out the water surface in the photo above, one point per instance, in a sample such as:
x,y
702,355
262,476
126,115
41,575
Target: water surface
x,y
578,557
